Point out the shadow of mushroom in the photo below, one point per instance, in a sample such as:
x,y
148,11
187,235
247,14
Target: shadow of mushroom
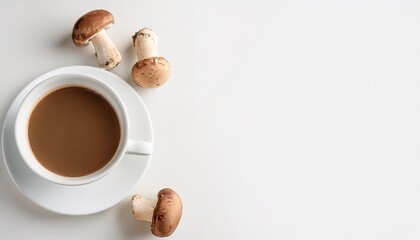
x,y
129,226
129,60
85,56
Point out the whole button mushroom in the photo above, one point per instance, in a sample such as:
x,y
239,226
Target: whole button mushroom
x,y
164,214
151,70
91,28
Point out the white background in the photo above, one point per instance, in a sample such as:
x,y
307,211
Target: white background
x,y
281,120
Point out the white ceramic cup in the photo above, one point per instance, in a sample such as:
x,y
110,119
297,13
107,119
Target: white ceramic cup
x,y
126,145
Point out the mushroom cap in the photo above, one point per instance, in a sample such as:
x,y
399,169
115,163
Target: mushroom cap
x,y
151,72
167,213
89,25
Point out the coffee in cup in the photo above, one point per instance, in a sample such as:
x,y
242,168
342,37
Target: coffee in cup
x,y
73,131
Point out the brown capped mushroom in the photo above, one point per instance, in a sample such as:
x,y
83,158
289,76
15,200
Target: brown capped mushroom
x,y
151,70
91,28
164,214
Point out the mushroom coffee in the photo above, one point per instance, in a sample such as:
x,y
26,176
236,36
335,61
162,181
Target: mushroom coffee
x,y
73,131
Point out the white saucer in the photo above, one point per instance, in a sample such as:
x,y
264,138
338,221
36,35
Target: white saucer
x,y
93,197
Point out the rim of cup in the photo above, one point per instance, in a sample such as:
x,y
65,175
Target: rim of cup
x,y
48,86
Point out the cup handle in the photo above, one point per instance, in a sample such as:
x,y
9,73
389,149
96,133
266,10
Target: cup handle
x,y
139,147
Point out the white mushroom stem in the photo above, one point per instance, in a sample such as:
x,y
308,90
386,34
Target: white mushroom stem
x,y
107,54
143,208
145,43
